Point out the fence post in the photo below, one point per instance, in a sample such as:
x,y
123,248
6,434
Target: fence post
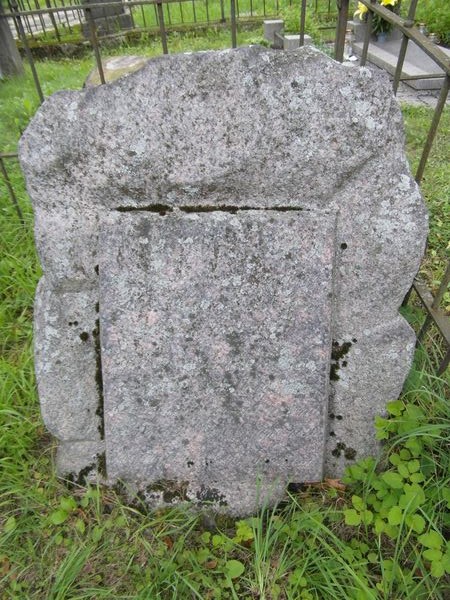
x,y
94,44
233,23
162,28
367,35
405,40
302,23
11,190
10,59
435,304
433,128
23,38
341,29
53,20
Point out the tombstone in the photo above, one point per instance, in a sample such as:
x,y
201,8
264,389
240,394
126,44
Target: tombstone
x,y
226,238
108,19
273,32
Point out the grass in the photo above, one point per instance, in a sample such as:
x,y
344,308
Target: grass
x,y
380,534
435,187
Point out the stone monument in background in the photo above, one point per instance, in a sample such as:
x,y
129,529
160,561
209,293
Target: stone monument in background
x,y
226,238
108,19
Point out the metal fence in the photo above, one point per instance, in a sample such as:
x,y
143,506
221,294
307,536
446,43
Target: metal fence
x,y
70,20
164,15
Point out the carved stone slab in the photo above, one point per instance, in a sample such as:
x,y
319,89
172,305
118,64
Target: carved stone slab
x,y
248,128
216,335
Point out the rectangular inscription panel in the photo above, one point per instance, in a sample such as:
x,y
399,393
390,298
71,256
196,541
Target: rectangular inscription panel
x,y
215,331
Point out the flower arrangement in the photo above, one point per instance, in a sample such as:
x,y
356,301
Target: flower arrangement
x,y
379,25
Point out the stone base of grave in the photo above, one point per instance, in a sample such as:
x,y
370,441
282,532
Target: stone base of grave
x,y
418,65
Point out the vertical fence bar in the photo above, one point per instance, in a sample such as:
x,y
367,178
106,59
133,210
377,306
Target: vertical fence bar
x,y
94,44
34,27
194,11
367,35
66,17
302,22
23,38
53,20
181,11
143,15
435,304
41,18
11,190
162,28
79,11
444,364
433,128
233,24
207,10
169,18
133,24
14,20
341,29
222,11
404,46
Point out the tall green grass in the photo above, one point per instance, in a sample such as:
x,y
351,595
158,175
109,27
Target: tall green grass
x,y
381,534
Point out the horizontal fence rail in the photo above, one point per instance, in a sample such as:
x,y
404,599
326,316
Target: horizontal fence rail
x,y
162,16
143,14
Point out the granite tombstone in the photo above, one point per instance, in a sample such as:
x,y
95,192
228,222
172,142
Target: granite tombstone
x,y
218,314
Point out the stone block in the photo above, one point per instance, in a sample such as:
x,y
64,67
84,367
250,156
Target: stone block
x,y
216,330
359,27
292,41
201,135
67,360
271,29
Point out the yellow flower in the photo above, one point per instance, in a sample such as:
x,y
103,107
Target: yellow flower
x,y
362,9
389,2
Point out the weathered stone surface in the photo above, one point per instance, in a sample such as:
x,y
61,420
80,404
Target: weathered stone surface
x,y
250,127
272,29
292,41
216,332
115,67
66,361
